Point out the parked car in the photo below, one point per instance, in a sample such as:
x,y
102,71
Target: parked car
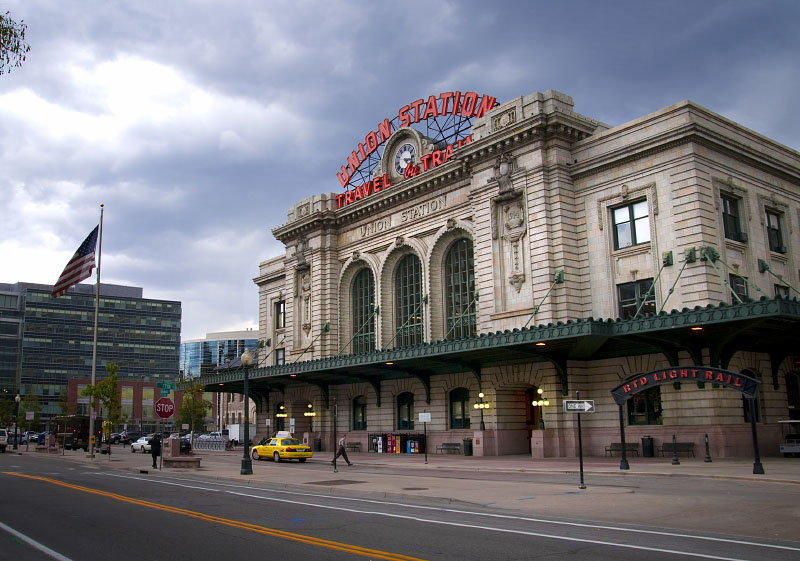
x,y
28,436
114,438
129,436
281,448
142,444
3,440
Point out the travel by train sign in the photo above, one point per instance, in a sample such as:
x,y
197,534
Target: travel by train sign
x,y
640,382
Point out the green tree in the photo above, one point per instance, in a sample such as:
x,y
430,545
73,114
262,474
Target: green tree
x,y
107,394
7,405
29,403
13,48
194,407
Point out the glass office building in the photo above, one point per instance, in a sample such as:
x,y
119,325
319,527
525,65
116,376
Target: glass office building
x,y
46,342
201,356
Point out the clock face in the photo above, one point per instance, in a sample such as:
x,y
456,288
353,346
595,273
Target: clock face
x,y
404,156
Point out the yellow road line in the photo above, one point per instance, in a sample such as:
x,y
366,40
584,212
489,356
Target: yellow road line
x,y
375,553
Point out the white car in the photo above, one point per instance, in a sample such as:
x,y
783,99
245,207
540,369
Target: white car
x,y
141,445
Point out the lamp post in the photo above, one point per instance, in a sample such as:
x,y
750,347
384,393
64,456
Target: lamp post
x,y
541,402
310,414
16,422
481,405
247,463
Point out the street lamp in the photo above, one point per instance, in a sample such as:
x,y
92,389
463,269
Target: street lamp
x,y
481,405
247,463
16,422
541,402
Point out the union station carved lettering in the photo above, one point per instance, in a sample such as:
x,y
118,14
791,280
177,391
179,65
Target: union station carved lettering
x,y
420,210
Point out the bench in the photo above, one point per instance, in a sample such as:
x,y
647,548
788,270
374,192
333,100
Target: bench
x,y
182,462
353,446
680,447
447,447
630,448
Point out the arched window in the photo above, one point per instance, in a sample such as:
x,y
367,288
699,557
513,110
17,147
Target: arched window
x,y
360,413
459,408
363,298
405,411
280,417
459,291
408,302
644,408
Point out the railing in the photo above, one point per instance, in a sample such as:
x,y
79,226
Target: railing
x,y
209,443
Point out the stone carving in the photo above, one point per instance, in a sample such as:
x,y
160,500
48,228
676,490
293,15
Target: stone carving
x,y
503,171
304,289
504,119
356,255
451,223
399,241
513,230
300,251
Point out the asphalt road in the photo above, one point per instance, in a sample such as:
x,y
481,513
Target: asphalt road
x,y
52,510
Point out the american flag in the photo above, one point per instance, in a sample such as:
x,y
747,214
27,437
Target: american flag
x,y
79,267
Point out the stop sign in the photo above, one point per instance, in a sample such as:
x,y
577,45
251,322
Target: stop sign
x,y
165,408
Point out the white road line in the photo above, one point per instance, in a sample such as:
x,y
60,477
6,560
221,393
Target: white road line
x,y
33,543
471,513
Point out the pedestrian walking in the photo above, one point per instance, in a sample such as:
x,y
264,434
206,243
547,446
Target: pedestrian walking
x,y
342,451
155,449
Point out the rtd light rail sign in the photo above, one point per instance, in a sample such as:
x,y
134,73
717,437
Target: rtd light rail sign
x,y
165,408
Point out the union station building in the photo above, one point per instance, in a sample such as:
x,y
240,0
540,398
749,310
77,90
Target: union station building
x,y
482,262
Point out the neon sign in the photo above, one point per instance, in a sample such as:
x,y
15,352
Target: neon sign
x,y
469,104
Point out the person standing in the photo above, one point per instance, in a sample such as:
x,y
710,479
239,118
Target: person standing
x,y
155,449
342,451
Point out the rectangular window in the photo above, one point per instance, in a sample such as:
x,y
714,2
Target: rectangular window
x,y
730,218
632,295
8,301
782,291
644,408
280,314
280,357
774,233
631,225
739,287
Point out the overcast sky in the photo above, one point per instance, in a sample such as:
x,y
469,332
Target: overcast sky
x,y
198,124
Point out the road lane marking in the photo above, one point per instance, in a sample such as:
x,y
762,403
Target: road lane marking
x,y
347,548
457,511
34,544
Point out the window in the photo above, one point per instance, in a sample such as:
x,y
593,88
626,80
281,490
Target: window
x,y
280,417
363,297
730,218
644,408
632,294
280,357
405,411
408,301
739,287
774,233
8,301
459,408
793,394
280,314
360,413
631,225
459,291
782,291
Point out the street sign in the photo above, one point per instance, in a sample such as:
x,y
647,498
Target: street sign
x,y
165,408
165,393
166,385
578,406
424,417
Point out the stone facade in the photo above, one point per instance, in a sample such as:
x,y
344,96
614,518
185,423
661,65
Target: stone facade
x,y
536,193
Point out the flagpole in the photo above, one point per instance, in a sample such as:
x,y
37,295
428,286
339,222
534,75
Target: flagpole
x,y
92,412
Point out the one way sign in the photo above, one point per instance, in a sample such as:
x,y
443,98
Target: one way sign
x,y
579,406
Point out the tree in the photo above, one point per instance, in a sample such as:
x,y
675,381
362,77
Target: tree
x,y
13,48
29,403
107,394
194,407
7,406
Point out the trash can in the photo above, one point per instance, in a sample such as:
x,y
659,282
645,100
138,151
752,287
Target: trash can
x,y
317,445
648,448
468,447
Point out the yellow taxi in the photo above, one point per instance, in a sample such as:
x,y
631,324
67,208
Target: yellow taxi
x,y
281,448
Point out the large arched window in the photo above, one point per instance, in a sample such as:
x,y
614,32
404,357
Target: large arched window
x,y
459,408
408,302
360,413
363,298
405,411
459,291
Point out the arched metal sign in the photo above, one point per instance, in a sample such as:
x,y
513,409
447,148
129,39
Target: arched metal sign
x,y
640,382
724,378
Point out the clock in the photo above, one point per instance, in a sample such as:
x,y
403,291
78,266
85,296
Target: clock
x,y
404,156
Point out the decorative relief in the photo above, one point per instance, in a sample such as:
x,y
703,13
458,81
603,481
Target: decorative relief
x,y
503,171
399,241
304,288
356,255
303,210
300,251
451,223
513,230
504,119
